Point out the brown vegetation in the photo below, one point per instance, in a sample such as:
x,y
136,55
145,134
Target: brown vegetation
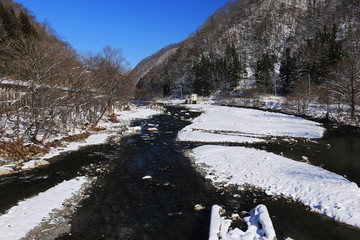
x,y
57,90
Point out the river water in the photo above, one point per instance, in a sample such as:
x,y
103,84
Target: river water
x,y
123,205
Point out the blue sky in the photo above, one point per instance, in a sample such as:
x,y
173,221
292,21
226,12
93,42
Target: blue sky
x,y
138,27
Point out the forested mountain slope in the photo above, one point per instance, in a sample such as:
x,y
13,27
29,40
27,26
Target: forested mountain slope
x,y
156,59
270,45
46,87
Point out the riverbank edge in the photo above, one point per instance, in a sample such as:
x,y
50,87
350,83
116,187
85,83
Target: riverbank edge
x,y
58,221
105,130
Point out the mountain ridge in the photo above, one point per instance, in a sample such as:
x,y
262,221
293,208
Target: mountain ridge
x,y
254,28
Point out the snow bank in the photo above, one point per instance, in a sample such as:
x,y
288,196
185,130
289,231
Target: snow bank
x,y
124,117
215,223
201,136
227,124
259,217
29,213
93,139
323,191
33,164
137,113
259,226
4,170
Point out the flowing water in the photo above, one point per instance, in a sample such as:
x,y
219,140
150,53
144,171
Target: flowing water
x,y
123,205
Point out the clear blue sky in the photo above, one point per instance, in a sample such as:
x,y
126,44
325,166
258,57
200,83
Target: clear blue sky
x,y
138,27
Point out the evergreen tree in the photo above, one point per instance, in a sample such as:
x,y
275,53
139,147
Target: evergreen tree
x,y
26,28
331,47
2,29
235,67
311,62
288,71
202,70
318,55
217,74
166,89
264,72
11,23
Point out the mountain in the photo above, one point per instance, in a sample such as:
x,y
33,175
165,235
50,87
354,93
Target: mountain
x,y
251,43
154,60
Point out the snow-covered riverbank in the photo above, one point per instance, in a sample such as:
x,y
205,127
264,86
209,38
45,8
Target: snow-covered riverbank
x,y
29,213
123,117
227,124
325,192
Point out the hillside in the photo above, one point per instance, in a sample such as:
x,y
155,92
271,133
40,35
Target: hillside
x,y
154,60
48,90
267,44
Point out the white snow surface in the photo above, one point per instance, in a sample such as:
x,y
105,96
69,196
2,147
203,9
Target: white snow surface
x,y
323,191
93,139
229,124
215,223
260,226
136,113
29,213
202,136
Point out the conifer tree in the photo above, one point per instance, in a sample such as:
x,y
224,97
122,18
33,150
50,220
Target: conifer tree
x,y
11,23
264,72
201,84
235,67
2,29
26,28
288,71
319,54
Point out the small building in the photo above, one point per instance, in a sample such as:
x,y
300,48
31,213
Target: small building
x,y
192,99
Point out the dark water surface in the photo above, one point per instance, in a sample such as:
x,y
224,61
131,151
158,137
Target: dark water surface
x,y
338,151
123,205
65,167
130,207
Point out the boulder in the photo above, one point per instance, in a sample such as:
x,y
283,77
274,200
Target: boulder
x,y
6,171
40,163
34,164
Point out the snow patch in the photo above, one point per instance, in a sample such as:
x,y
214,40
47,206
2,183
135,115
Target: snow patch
x,y
228,124
29,213
325,192
6,170
148,177
201,136
260,226
33,164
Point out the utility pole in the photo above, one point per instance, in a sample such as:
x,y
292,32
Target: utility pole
x,y
309,78
275,86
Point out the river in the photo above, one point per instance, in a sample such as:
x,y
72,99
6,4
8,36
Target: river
x,y
125,205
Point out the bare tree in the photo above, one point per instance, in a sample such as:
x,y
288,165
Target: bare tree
x,y
111,83
39,65
344,84
301,96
